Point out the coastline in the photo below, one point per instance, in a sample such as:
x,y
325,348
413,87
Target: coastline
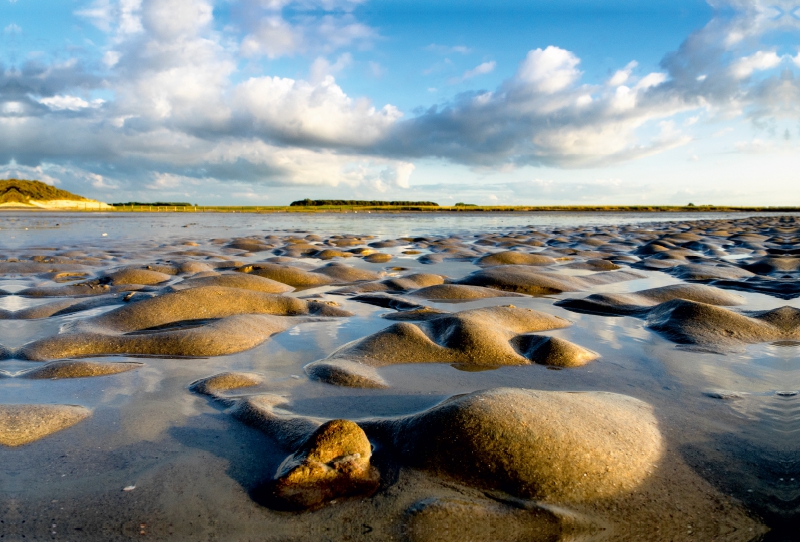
x,y
425,210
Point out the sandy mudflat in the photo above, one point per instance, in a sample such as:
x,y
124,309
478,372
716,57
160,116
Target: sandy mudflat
x,y
604,382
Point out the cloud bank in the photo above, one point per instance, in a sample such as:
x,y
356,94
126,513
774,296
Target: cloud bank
x,y
170,101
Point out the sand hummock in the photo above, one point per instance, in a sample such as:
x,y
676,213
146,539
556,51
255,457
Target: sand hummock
x,y
484,337
23,424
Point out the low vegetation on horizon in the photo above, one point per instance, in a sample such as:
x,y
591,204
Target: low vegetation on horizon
x,y
359,203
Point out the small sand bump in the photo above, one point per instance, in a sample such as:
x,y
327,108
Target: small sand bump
x,y
79,369
639,303
221,382
293,276
23,424
511,257
238,280
145,277
378,258
458,292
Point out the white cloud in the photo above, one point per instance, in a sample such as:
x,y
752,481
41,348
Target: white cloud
x,y
547,71
620,77
322,113
12,29
71,103
480,69
759,61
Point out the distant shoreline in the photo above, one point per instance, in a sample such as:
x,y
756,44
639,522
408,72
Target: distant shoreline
x,y
417,209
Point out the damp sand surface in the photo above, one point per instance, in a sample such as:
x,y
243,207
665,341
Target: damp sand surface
x,y
258,377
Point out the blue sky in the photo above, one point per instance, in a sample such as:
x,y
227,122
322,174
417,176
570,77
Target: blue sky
x,y
267,101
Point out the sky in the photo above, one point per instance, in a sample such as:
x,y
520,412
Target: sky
x,y
515,102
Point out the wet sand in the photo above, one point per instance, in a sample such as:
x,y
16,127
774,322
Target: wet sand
x,y
598,382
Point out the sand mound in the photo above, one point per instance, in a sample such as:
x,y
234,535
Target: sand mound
x,y
206,302
330,253
688,322
215,338
387,301
482,337
641,302
249,245
459,292
415,315
341,272
62,307
558,447
512,257
333,463
400,284
221,382
79,369
293,276
526,280
378,258
85,289
192,267
194,322
701,272
137,276
772,265
551,446
238,280
594,265
23,424
553,351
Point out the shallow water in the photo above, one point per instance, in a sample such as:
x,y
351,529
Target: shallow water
x,y
729,416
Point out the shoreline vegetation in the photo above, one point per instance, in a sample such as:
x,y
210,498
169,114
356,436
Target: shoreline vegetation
x,y
19,194
448,209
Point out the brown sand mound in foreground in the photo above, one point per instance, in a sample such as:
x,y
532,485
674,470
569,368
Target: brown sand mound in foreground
x,y
203,321
23,424
485,336
553,446
642,301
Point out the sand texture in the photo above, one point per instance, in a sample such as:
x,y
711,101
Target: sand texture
x,y
466,380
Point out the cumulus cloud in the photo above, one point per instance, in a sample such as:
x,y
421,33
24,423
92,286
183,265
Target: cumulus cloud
x,y
302,112
542,115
